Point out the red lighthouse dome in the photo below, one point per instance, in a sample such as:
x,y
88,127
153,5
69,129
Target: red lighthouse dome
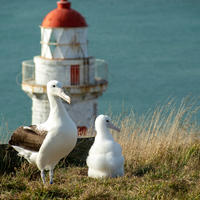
x,y
64,17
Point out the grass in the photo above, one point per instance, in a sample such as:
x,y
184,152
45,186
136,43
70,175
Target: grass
x,y
162,161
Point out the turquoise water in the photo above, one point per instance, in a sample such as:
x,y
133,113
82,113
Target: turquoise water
x,y
152,48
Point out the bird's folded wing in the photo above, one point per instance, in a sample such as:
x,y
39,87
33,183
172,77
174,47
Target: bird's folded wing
x,y
28,137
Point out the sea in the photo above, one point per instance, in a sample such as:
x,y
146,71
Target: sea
x,y
152,48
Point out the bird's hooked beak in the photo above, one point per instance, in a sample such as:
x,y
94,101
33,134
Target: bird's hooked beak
x,y
64,96
112,126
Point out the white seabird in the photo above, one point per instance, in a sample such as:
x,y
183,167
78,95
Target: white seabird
x,y
45,144
105,156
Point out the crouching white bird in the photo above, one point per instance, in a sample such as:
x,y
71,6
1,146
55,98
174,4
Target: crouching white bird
x,y
105,156
45,144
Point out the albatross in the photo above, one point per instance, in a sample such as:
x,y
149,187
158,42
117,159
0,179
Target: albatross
x,y
45,144
105,156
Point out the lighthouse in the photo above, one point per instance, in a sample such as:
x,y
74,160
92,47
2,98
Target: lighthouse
x,y
64,56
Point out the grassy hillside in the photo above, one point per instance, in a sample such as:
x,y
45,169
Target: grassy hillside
x,y
162,161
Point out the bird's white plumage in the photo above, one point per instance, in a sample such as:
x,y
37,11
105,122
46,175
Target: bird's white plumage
x,y
62,132
105,156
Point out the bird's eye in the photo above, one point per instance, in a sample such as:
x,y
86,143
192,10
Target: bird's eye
x,y
107,120
53,86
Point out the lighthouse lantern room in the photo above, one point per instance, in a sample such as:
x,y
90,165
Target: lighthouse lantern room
x,y
64,57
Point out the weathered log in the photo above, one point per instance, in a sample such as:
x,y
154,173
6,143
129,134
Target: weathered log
x,y
9,160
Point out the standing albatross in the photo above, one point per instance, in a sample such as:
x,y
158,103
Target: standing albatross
x,y
45,144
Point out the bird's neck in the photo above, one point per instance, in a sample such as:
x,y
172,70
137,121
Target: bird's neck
x,y
57,108
103,133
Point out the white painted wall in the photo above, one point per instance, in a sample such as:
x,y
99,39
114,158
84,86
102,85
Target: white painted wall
x,y
40,110
83,112
46,70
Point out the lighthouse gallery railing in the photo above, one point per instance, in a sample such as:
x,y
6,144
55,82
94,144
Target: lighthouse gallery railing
x,y
99,68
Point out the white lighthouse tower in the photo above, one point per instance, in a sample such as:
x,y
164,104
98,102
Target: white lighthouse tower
x,y
64,57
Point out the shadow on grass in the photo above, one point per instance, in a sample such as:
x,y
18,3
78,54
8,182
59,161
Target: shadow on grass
x,y
99,196
141,171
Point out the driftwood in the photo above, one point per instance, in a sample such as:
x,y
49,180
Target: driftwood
x,y
9,161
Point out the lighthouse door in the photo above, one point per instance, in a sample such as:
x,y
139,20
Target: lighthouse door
x,y
75,74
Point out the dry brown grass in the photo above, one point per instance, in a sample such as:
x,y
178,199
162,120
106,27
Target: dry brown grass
x,y
162,161
168,127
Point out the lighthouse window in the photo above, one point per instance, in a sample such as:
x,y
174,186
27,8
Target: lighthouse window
x,y
75,74
53,38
